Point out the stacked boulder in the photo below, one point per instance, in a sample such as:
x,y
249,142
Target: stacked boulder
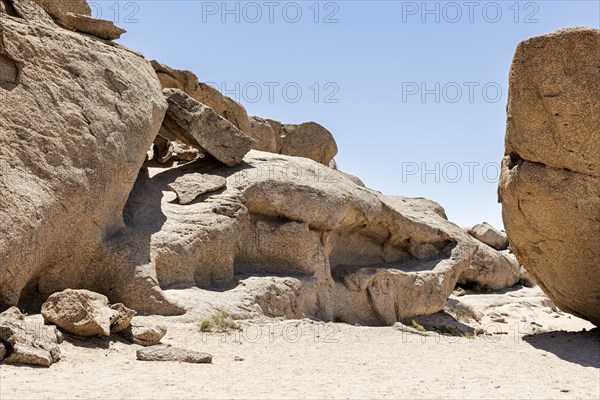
x,y
550,181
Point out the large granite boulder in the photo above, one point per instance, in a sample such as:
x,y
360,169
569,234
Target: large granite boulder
x,y
78,115
550,181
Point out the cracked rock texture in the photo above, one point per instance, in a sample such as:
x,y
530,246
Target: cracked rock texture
x,y
550,181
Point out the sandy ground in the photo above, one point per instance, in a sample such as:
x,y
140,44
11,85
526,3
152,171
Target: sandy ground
x,y
530,353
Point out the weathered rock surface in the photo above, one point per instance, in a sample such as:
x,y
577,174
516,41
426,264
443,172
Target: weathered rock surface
x,y
144,335
550,181
58,8
30,11
27,343
85,313
188,82
123,318
198,125
340,251
168,353
308,140
265,138
189,187
183,152
71,153
101,28
489,235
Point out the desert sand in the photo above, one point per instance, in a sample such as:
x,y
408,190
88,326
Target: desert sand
x,y
543,353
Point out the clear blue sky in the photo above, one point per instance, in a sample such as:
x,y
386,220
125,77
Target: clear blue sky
x,y
370,61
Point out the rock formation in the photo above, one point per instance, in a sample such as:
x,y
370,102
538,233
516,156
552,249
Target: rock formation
x,y
23,343
81,209
352,254
308,140
489,235
77,115
550,181
86,313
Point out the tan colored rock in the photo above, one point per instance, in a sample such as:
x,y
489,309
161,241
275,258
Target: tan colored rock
x,y
30,11
489,235
198,125
265,138
101,28
57,8
189,187
550,181
553,106
308,140
492,269
331,248
66,172
122,319
80,312
168,353
183,152
144,335
188,82
29,343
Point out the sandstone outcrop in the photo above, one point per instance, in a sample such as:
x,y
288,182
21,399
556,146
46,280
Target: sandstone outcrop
x,y
550,181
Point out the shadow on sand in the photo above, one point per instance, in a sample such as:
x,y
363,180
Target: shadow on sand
x,y
581,348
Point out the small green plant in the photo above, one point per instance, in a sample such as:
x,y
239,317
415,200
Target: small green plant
x,y
414,324
219,322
